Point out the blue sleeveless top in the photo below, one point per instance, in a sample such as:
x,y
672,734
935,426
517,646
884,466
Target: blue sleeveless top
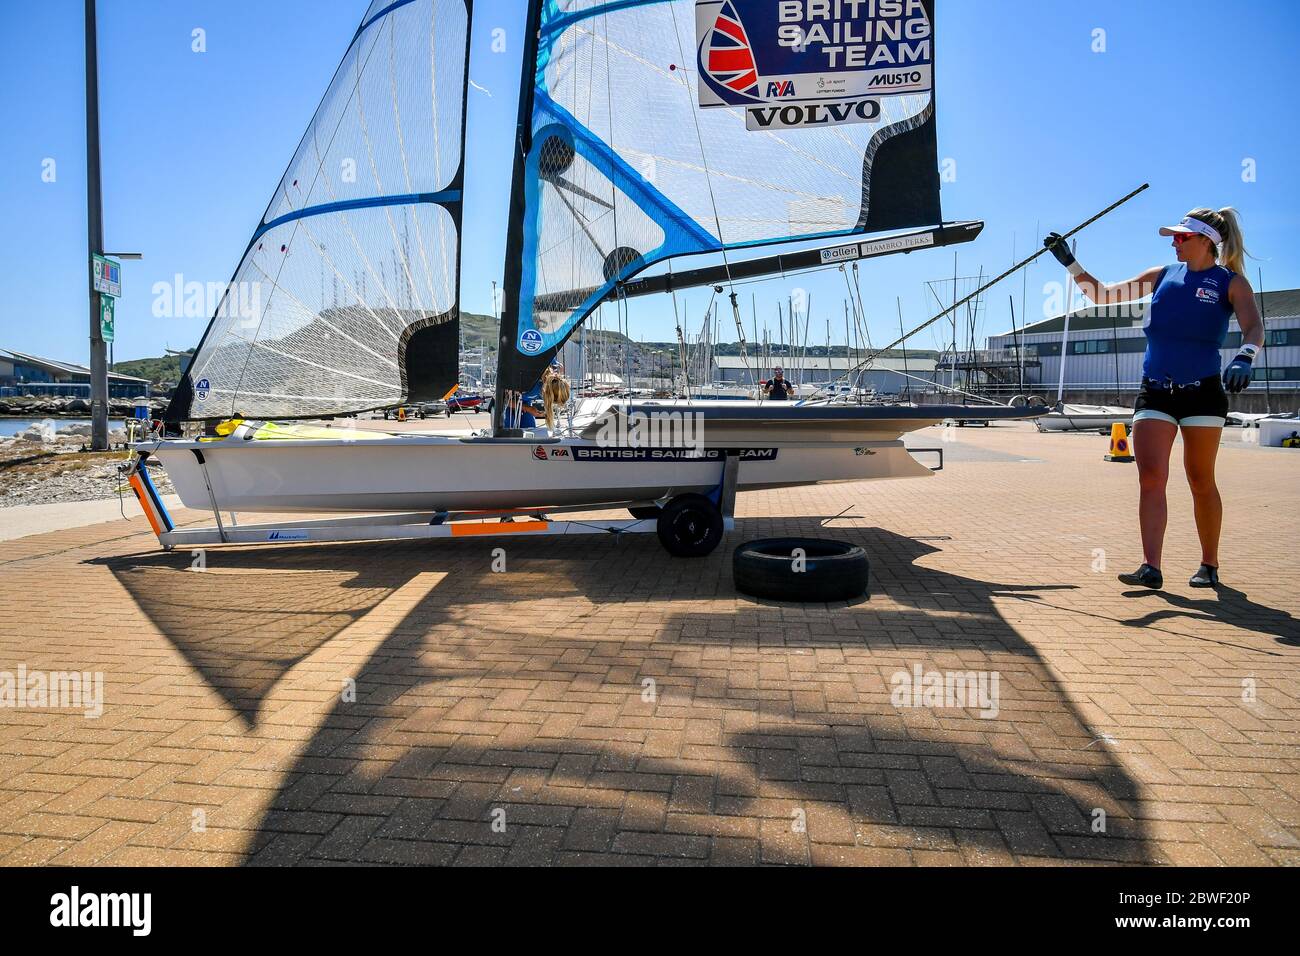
x,y
1186,324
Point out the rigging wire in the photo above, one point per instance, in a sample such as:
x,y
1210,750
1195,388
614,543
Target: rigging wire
x,y
713,202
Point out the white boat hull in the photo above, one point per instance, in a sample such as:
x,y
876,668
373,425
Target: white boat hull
x,y
1073,418
432,473
374,472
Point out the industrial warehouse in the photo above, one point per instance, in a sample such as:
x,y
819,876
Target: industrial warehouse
x,y
1103,348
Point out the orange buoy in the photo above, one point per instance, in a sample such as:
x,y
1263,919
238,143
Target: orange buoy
x,y
1121,449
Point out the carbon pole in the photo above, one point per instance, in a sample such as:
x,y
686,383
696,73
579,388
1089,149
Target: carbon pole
x,y
1011,271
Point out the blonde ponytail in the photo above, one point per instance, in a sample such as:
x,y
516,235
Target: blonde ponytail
x,y
1232,251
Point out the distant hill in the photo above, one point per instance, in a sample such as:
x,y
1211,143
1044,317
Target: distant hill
x,y
479,329
166,368
476,328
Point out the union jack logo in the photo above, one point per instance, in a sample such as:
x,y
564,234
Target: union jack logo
x,y
726,56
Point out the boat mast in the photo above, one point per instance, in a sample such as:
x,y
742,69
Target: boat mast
x,y
513,283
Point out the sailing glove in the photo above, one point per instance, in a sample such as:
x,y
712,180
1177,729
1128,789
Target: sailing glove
x,y
1237,375
1058,247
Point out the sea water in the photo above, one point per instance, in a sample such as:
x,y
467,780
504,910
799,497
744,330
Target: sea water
x,y
16,426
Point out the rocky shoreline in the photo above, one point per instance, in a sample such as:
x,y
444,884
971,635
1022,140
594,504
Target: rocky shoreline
x,y
42,466
32,406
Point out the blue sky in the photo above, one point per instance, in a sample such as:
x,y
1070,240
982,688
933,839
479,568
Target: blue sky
x,y
1042,130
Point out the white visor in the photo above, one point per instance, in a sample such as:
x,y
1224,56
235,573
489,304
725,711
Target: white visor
x,y
1193,225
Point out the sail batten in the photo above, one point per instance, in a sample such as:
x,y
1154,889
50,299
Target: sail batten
x,y
347,295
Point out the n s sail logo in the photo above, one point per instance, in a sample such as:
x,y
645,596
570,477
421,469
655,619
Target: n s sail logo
x,y
530,341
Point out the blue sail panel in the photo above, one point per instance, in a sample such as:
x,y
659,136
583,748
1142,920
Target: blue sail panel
x,y
628,161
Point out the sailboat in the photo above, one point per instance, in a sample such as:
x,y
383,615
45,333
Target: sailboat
x,y
648,131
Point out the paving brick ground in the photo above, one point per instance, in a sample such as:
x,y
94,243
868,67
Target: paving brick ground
x,y
600,703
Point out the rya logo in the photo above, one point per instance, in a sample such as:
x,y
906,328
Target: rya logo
x,y
780,88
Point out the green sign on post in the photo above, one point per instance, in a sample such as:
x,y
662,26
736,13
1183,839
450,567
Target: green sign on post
x,y
105,275
106,317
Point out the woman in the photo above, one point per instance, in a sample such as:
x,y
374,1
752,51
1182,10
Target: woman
x,y
1186,325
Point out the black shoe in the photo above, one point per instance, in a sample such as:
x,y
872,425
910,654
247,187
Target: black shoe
x,y
1145,576
1206,576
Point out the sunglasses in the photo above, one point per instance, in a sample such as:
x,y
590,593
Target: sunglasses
x,y
1181,237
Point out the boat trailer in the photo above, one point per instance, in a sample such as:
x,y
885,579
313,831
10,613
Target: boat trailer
x,y
689,525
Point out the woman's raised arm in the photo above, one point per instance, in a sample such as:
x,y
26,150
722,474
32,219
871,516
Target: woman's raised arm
x,y
1139,287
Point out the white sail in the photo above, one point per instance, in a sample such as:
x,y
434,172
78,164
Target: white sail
x,y
346,297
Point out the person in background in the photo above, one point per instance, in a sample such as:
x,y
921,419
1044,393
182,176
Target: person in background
x,y
777,388
1182,388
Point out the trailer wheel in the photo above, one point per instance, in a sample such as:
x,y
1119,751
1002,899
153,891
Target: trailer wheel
x,y
690,526
829,570
645,513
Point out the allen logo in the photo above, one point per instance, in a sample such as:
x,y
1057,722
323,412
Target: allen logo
x,y
539,453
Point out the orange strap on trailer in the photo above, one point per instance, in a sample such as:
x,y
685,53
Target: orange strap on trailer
x,y
147,495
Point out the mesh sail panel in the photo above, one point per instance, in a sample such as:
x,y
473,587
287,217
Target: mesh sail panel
x,y
625,168
357,253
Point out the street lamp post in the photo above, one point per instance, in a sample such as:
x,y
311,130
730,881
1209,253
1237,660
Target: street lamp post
x,y
95,241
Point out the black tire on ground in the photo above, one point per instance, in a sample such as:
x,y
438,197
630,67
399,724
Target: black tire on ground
x,y
646,513
690,526
832,570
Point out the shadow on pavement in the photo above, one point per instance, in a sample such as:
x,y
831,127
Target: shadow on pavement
x,y
1225,605
524,692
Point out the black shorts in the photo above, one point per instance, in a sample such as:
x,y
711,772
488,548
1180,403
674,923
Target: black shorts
x,y
1202,403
